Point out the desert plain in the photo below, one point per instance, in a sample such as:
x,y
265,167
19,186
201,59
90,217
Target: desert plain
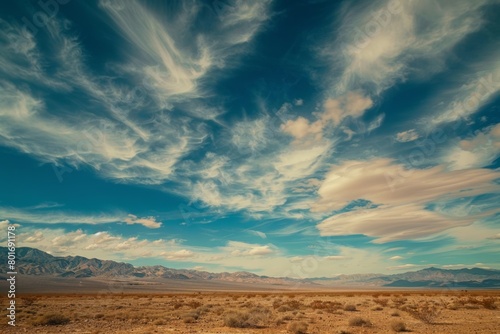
x,y
118,307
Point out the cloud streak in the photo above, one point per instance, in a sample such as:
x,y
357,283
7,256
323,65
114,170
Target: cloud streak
x,y
399,198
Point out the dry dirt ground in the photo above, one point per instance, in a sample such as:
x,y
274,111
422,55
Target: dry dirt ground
x,y
242,312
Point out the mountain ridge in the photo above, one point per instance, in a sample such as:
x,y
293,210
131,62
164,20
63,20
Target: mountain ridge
x,y
32,261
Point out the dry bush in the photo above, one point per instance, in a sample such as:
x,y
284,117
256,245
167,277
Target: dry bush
x,y
277,303
398,326
378,308
256,317
395,314
381,301
359,322
489,303
426,313
176,304
472,307
294,304
284,308
194,304
190,317
399,301
52,320
350,308
297,327
325,305
28,301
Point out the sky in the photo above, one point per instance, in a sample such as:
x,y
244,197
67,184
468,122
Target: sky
x,y
285,138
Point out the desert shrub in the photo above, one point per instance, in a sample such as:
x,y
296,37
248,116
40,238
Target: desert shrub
x,y
395,314
256,317
277,303
297,327
426,313
350,308
284,308
99,315
381,301
52,320
399,301
325,305
472,306
28,301
194,304
489,303
236,320
398,326
176,304
378,308
294,304
359,322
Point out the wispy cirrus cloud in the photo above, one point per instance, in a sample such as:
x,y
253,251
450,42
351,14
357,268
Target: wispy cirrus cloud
x,y
380,41
407,136
174,66
478,151
399,198
61,217
471,90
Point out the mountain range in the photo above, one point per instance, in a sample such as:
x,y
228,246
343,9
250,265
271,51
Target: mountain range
x,y
34,262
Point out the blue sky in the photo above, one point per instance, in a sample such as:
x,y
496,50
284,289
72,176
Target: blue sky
x,y
285,138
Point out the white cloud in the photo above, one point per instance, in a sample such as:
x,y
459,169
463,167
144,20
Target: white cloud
x,y
148,221
334,112
381,39
172,64
477,86
479,151
180,254
401,197
460,266
335,257
102,245
61,217
257,233
397,257
408,266
298,102
407,136
236,248
36,237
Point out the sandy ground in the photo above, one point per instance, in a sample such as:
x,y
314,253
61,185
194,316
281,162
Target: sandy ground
x,y
444,311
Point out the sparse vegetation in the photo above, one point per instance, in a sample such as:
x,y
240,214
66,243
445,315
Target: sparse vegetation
x,y
359,322
489,303
256,317
298,327
398,326
350,308
306,313
426,313
52,320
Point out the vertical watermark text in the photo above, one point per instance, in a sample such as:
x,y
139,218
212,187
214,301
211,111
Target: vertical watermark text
x,y
11,265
